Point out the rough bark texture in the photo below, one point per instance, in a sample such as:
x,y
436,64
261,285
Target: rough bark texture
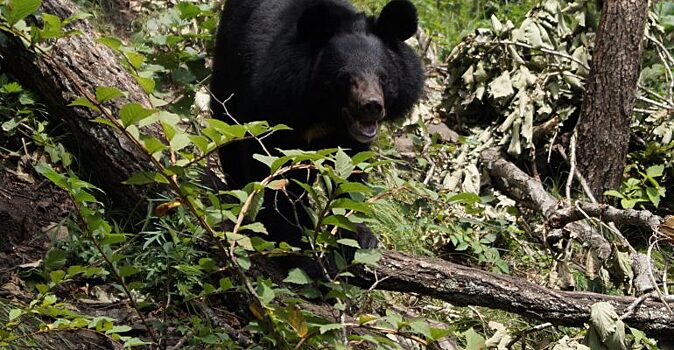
x,y
73,66
604,125
605,212
462,286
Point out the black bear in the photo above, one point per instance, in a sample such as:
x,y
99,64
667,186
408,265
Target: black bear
x,y
319,66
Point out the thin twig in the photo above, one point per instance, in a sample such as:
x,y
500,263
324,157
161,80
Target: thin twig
x,y
520,335
572,162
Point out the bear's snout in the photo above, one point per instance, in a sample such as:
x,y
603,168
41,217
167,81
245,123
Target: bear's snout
x,y
373,107
366,99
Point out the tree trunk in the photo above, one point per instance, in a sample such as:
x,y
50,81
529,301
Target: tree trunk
x,y
76,65
604,125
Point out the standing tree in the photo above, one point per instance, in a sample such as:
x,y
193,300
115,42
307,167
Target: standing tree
x,y
604,125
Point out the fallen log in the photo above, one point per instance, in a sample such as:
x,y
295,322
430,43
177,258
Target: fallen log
x,y
463,286
75,66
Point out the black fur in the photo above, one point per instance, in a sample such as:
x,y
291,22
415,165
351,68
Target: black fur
x,y
293,62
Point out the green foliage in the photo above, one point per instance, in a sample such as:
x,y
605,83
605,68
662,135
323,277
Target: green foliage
x,y
607,330
19,117
645,189
447,22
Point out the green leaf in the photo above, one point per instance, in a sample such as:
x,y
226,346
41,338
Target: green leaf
x,y
135,59
128,270
110,42
297,276
55,259
47,171
118,329
241,240
474,341
421,327
207,264
349,187
200,141
340,221
187,10
107,93
153,145
49,300
330,327
146,177
265,292
132,113
11,88
57,276
628,203
465,198
113,238
606,328
147,83
367,257
19,9
343,164
226,284
349,242
84,102
614,193
361,157
78,15
179,141
439,333
350,204
131,342
255,206
14,314
655,171
653,195
53,28
256,227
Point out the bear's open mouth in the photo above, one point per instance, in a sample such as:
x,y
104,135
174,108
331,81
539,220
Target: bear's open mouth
x,y
361,130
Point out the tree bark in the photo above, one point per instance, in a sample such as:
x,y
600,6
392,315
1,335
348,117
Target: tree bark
x,y
461,286
74,66
466,286
606,113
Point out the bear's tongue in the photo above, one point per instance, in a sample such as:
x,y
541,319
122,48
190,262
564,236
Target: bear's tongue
x,y
368,129
362,131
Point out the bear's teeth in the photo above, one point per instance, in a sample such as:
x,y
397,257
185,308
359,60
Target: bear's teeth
x,y
368,129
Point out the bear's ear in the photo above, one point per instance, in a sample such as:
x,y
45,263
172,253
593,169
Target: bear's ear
x,y
398,20
318,23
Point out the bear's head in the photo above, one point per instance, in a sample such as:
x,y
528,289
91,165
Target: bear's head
x,y
362,71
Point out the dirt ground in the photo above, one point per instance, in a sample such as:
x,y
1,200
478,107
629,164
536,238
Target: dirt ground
x,y
32,212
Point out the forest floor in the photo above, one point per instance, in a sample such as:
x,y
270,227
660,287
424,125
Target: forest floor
x,y
32,212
